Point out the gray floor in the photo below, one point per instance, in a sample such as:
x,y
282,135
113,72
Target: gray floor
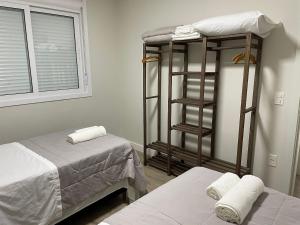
x,y
97,212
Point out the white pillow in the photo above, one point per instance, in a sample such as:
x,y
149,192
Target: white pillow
x,y
253,21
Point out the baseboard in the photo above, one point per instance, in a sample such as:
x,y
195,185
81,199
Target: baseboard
x,y
137,147
140,149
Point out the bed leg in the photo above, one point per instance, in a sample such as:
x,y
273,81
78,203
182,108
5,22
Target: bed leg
x,y
125,196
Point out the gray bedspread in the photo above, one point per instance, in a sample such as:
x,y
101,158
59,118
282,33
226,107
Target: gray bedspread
x,y
183,200
87,168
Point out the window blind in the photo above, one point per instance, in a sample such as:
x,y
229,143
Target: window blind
x,y
55,52
14,63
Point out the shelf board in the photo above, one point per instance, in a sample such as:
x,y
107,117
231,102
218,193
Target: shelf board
x,y
164,51
177,152
241,36
160,162
193,74
254,46
192,129
178,167
192,102
188,41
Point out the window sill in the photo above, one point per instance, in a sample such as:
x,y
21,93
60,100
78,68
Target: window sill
x,y
25,99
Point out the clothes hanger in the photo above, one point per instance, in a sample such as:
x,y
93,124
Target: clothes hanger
x,y
241,56
150,59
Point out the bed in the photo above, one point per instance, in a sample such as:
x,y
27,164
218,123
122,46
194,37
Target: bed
x,y
183,200
46,179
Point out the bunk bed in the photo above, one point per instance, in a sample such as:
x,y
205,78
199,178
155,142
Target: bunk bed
x,y
177,159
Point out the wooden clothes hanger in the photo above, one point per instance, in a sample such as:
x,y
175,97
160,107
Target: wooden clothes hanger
x,y
241,56
150,59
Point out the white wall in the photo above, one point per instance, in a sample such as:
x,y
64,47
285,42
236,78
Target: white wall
x,y
276,125
26,121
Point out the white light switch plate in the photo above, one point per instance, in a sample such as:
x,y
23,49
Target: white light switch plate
x,y
279,98
279,101
273,160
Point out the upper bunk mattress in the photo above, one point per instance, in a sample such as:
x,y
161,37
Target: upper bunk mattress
x,y
87,168
183,201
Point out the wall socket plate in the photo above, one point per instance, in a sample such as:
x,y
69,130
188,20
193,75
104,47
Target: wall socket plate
x,y
273,160
279,98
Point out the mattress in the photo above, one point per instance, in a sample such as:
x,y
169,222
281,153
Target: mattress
x,y
87,168
183,201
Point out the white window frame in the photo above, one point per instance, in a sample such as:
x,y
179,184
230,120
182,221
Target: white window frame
x,y
81,41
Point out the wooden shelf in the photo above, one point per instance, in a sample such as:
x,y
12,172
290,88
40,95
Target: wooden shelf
x,y
164,51
160,162
192,102
231,47
194,74
177,152
176,160
213,39
192,129
179,167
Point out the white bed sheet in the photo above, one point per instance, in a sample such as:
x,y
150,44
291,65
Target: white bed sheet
x,y
28,182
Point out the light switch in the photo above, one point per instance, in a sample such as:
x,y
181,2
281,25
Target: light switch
x,y
279,101
273,160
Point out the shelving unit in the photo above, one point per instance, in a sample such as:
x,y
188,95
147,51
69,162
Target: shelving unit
x,y
174,159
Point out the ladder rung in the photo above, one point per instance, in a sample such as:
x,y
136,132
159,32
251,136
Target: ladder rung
x,y
192,102
230,47
165,51
150,59
196,74
250,109
192,129
150,97
153,51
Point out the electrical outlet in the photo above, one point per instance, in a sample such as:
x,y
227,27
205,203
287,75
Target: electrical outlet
x,y
273,160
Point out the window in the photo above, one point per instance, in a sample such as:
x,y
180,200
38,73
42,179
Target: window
x,y
55,52
14,63
42,55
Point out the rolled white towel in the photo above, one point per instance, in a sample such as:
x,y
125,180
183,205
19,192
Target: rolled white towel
x,y
221,186
185,29
86,135
237,203
178,37
85,129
